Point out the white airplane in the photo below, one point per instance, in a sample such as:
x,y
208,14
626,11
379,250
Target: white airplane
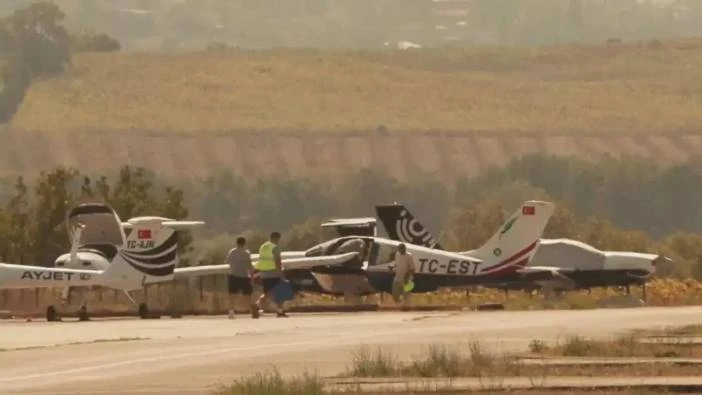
x,y
559,264
100,234
102,256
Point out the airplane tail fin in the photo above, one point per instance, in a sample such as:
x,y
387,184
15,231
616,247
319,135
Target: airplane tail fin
x,y
515,242
401,225
149,254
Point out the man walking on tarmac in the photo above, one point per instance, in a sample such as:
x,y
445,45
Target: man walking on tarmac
x,y
270,270
404,273
240,273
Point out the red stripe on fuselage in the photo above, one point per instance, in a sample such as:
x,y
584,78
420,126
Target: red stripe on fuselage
x,y
509,269
513,258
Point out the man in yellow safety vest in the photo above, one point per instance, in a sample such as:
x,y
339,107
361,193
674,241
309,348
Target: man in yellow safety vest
x,y
270,270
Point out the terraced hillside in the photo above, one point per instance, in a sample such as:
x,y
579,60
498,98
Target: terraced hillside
x,y
306,112
308,154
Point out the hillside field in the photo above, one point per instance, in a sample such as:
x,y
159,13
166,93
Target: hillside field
x,y
306,112
640,87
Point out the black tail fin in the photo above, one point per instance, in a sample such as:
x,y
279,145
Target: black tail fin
x,y
401,225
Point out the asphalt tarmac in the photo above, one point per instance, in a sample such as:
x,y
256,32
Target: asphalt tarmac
x,y
193,354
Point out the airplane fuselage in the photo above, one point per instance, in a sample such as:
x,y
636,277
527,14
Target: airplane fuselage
x,y
86,260
581,279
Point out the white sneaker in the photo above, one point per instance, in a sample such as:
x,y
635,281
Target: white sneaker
x,y
231,314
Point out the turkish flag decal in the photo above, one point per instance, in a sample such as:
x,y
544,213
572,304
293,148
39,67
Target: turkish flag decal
x,y
528,210
144,234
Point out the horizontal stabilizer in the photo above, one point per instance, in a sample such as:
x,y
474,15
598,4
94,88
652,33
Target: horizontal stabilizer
x,y
364,221
165,222
544,269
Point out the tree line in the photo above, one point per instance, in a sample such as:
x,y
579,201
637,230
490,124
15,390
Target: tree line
x,y
33,227
36,44
370,23
611,204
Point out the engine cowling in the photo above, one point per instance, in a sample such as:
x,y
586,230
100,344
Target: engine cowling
x,y
87,260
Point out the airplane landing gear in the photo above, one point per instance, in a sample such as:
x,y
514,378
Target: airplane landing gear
x,y
52,314
142,308
83,310
143,311
83,314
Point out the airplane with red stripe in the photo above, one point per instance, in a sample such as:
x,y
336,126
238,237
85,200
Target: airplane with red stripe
x,y
558,264
511,248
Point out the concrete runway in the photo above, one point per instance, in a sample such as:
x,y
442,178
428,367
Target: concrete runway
x,y
191,355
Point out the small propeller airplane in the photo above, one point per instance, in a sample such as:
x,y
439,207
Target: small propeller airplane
x,y
102,256
372,269
558,265
360,263
500,259
107,252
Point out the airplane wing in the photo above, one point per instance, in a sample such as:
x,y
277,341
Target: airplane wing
x,y
285,255
364,221
291,263
175,225
25,276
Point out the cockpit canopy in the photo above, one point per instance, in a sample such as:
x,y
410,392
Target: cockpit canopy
x,y
372,250
103,228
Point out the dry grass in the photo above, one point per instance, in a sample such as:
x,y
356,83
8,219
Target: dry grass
x,y
179,297
437,361
434,361
273,383
667,332
628,346
636,88
450,362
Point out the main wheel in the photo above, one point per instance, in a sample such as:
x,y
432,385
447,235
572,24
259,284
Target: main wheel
x,y
143,311
51,314
83,314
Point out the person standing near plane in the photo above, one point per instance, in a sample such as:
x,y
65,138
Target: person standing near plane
x,y
240,272
270,269
404,273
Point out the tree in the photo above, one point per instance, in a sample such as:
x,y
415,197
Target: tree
x,y
39,38
94,42
53,198
32,225
37,44
302,236
17,242
685,249
131,195
473,224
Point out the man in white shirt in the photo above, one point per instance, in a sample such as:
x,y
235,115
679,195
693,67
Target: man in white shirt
x,y
239,279
404,273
